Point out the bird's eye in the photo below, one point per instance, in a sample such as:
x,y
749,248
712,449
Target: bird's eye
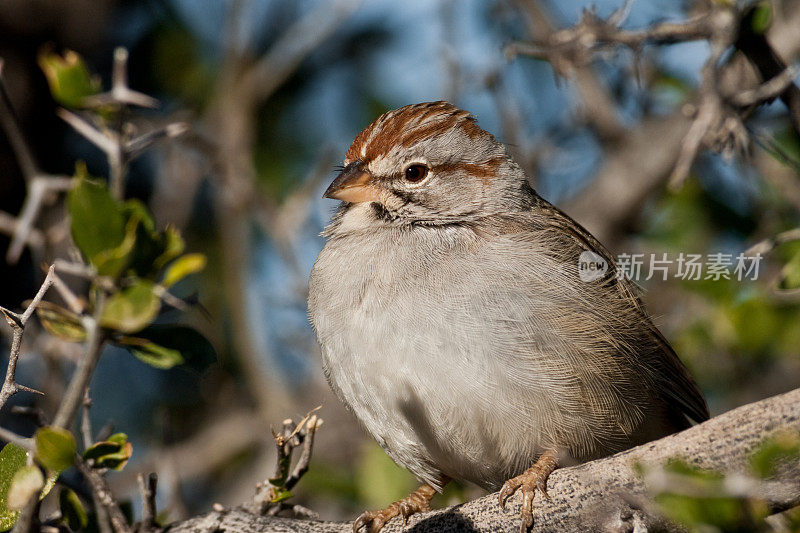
x,y
416,173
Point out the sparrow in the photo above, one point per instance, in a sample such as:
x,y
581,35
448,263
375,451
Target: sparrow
x,y
453,322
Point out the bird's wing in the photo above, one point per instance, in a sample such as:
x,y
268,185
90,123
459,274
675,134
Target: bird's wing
x,y
678,384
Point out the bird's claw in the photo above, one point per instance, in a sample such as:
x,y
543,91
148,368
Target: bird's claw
x,y
373,520
416,502
533,479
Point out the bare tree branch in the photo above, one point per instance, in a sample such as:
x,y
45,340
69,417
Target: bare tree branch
x,y
296,43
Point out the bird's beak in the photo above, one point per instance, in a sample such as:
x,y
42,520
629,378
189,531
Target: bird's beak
x,y
354,185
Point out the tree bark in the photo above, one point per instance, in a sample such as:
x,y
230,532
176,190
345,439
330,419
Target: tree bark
x,y
601,495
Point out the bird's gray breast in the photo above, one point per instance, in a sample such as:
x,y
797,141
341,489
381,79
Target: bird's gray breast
x,y
412,341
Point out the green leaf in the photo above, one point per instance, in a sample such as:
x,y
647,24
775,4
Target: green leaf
x,y
60,322
69,79
790,273
173,247
26,482
113,261
112,453
182,267
134,208
55,448
97,221
131,309
193,349
153,354
12,458
72,510
761,18
280,495
119,438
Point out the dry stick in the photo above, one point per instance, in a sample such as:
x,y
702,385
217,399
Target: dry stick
x,y
305,457
118,158
17,323
119,151
147,488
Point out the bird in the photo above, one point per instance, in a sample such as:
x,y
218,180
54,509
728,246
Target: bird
x,y
453,321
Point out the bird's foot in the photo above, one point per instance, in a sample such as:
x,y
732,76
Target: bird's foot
x,y
418,501
527,483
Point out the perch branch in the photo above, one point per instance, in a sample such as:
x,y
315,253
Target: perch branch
x,y
594,496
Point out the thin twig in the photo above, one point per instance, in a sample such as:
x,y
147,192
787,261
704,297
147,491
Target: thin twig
x,y
69,297
769,90
19,440
755,46
10,124
147,489
71,402
17,323
86,422
305,457
101,490
88,131
120,94
593,33
138,145
710,109
10,225
297,42
767,245
39,190
39,185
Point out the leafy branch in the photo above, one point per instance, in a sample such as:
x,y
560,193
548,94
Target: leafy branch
x,y
130,266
